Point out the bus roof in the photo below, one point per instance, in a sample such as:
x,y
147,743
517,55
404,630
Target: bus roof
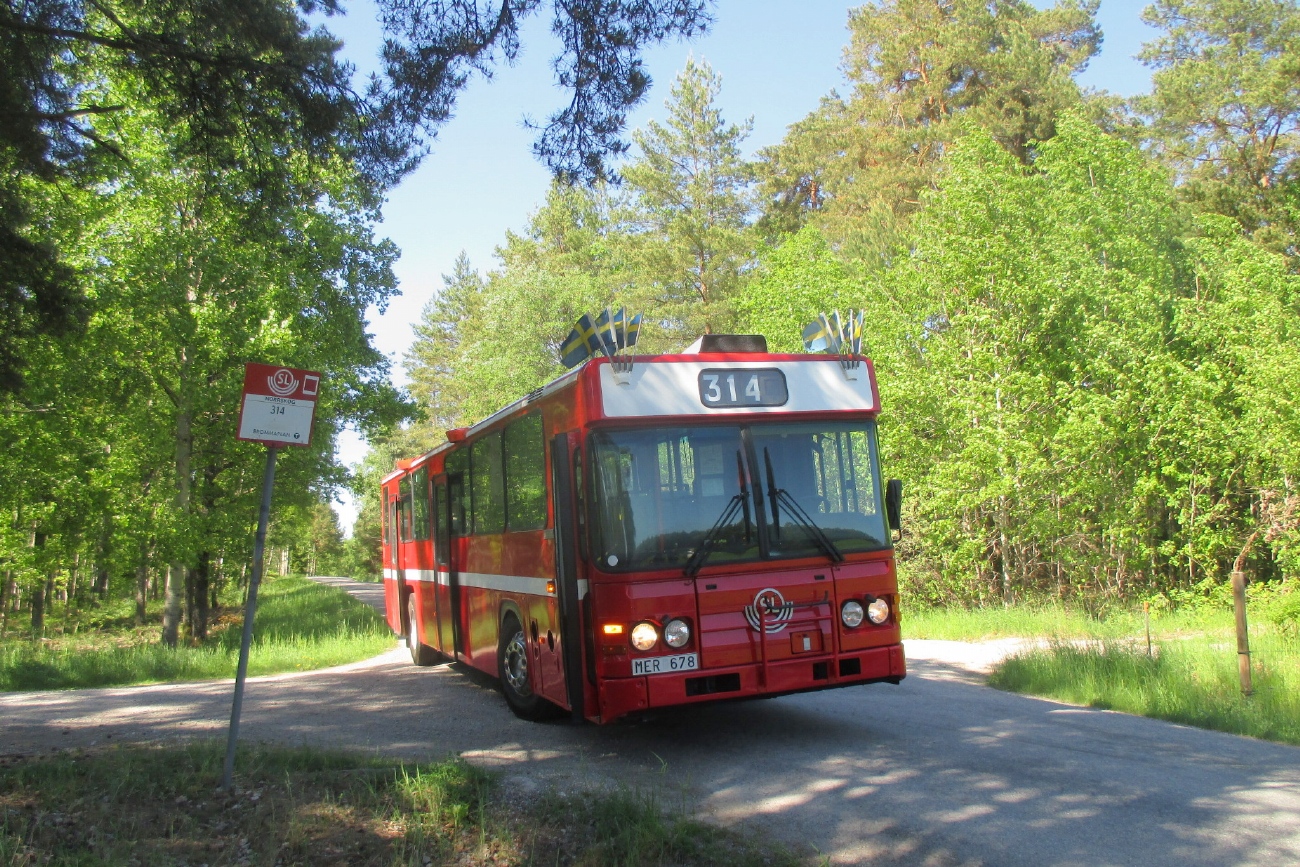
x,y
681,384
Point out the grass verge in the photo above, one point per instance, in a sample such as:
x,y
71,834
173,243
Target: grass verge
x,y
1192,680
1027,621
300,625
160,805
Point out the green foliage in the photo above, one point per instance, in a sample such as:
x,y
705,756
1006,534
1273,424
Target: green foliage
x,y
858,165
794,282
1225,111
688,210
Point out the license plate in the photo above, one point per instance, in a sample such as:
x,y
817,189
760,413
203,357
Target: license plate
x,y
666,664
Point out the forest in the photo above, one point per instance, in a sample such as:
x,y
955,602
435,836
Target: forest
x,y
1082,309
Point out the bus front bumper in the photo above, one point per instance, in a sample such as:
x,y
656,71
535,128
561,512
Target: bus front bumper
x,y
622,696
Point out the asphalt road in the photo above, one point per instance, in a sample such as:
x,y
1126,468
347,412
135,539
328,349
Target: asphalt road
x,y
937,771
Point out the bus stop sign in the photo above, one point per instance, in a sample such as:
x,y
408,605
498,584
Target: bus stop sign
x,y
279,405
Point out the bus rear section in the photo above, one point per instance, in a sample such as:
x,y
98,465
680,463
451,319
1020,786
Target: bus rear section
x,y
713,526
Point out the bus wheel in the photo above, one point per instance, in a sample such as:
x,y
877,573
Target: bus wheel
x,y
421,653
512,666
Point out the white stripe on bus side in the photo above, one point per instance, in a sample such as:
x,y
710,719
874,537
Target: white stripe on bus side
x,y
505,583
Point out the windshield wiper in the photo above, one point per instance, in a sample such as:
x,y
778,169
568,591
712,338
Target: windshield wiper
x,y
738,502
781,496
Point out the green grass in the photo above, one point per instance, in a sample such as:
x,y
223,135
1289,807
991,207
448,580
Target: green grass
x,y
1192,680
1052,621
299,625
160,805
1191,676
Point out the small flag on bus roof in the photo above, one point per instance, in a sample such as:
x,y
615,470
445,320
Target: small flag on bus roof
x,y
611,332
814,335
581,344
835,335
619,325
631,331
605,333
834,332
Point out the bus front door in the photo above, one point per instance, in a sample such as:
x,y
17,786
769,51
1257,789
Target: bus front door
x,y
447,529
564,493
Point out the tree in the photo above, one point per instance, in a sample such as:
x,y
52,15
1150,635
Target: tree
x,y
1225,109
791,285
690,202
227,85
915,66
186,288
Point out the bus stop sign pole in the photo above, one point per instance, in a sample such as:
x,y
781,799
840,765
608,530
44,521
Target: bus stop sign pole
x,y
277,408
259,547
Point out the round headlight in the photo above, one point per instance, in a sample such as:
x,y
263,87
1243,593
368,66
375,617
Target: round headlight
x,y
851,613
644,636
878,611
676,633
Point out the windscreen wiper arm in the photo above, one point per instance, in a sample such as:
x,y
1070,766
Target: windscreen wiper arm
x,y
738,502
780,495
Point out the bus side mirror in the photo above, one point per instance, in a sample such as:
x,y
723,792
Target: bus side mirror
x,y
894,505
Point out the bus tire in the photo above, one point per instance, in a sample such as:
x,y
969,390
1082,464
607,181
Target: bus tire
x,y
512,668
421,653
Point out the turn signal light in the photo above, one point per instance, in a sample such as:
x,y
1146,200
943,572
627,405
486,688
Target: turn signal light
x,y
613,628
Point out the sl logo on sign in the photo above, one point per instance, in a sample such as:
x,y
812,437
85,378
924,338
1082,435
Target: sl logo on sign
x,y
770,609
282,383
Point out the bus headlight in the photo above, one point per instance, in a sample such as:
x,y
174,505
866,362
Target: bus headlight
x,y
676,633
851,613
877,611
644,636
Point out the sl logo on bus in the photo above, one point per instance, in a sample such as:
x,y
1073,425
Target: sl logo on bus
x,y
769,608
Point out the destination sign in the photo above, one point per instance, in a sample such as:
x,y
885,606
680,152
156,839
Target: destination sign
x,y
762,386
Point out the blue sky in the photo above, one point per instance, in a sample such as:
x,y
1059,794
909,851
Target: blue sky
x,y
777,58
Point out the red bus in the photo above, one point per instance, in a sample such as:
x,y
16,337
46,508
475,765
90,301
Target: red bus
x,y
647,533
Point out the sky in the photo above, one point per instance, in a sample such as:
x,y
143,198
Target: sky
x,y
776,59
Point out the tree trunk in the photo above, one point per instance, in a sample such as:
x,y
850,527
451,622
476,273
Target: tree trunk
x,y
176,573
200,579
188,620
142,585
172,592
6,591
37,541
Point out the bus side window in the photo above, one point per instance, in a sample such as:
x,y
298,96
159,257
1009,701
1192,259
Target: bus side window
x,y
404,508
525,465
580,503
457,473
487,485
420,504
441,526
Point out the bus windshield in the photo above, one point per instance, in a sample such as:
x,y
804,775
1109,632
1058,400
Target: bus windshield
x,y
744,492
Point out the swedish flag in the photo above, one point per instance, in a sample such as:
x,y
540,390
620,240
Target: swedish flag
x,y
608,343
581,344
856,322
620,328
631,330
834,331
814,335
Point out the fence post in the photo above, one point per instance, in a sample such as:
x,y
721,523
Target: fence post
x,y
1243,637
